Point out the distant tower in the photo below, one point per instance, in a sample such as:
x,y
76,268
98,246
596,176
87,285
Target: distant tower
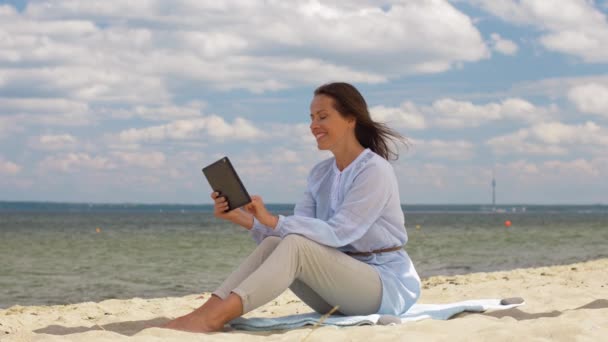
x,y
493,191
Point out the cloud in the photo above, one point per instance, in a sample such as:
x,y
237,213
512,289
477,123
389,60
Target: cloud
x,y
551,171
443,149
119,52
41,106
72,162
407,116
148,160
53,142
451,113
19,112
556,87
161,112
115,160
590,98
552,138
575,27
504,46
455,114
105,84
578,167
284,155
213,126
9,168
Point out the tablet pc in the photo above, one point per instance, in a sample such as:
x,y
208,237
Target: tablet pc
x,y
222,178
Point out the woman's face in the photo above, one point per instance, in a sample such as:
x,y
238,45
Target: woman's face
x,y
329,128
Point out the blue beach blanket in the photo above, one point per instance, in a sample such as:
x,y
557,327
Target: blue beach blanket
x,y
415,313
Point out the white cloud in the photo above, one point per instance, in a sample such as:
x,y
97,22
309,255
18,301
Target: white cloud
x,y
451,113
18,112
432,176
573,27
443,149
457,114
297,134
53,142
284,155
552,171
71,162
407,116
92,83
559,133
149,160
504,46
9,168
522,167
213,126
556,87
137,48
551,138
157,113
590,98
578,167
40,106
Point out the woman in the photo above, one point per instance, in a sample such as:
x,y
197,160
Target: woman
x,y
344,244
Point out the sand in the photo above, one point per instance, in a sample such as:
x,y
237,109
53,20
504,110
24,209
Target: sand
x,y
563,303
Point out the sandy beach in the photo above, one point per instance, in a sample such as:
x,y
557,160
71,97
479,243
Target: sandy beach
x,y
563,303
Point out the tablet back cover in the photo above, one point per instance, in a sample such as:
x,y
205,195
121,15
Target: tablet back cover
x,y
222,177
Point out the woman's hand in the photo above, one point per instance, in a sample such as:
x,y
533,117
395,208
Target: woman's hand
x,y
220,206
257,209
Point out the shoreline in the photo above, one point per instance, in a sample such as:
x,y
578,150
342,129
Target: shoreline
x,y
563,302
423,279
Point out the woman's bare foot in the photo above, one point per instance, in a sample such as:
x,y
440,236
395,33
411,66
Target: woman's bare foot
x,y
192,323
210,317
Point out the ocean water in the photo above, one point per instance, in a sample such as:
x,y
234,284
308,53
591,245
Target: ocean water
x,y
67,253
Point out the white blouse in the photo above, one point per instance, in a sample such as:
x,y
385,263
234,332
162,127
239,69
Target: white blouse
x,y
357,209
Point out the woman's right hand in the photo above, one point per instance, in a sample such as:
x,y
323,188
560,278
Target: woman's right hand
x,y
220,206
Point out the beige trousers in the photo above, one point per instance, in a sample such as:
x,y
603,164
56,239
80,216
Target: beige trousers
x,y
321,276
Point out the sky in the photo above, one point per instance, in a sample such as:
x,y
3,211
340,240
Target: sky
x,y
125,101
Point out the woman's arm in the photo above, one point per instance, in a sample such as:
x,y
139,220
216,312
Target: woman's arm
x,y
364,203
238,216
243,219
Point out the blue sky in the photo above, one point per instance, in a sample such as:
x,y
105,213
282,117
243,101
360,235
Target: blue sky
x,y
120,101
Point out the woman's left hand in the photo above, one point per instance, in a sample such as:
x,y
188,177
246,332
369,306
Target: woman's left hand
x,y
257,209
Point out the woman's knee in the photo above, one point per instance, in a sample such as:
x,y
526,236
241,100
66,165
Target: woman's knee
x,y
270,241
296,240
267,246
299,244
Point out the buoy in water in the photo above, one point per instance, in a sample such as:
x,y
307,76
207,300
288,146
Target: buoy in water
x,y
97,230
508,223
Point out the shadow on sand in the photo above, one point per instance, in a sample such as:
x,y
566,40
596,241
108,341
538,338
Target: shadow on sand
x,y
523,316
128,328
131,328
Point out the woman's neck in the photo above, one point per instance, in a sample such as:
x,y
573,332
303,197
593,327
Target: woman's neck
x,y
346,156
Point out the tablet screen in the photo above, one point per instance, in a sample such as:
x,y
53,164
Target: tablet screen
x,y
222,178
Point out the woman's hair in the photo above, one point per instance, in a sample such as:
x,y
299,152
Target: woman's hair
x,y
373,135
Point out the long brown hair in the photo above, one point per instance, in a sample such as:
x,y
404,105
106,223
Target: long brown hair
x,y
349,102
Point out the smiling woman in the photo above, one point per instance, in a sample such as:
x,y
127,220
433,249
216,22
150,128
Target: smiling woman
x,y
345,102
343,247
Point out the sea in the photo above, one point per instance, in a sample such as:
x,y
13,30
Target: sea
x,y
62,253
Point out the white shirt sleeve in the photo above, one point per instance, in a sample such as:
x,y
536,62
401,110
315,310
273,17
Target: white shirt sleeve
x,y
363,204
307,207
259,231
